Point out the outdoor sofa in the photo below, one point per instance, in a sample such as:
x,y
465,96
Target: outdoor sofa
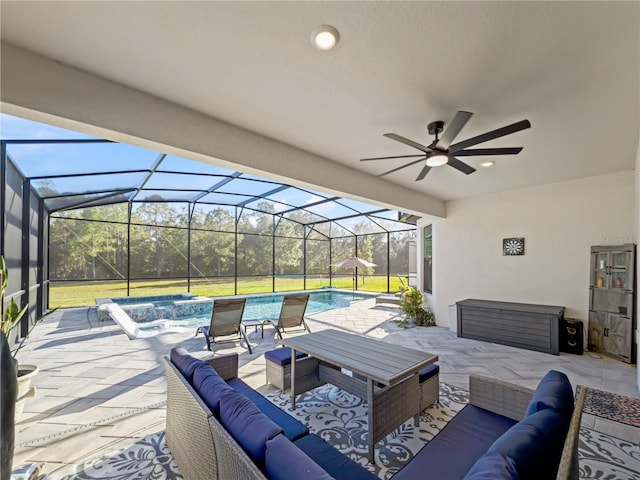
x,y
220,428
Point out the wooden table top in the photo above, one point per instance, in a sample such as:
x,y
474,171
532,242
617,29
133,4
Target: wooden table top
x,y
381,361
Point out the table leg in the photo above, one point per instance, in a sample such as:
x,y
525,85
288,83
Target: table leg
x,y
293,378
371,453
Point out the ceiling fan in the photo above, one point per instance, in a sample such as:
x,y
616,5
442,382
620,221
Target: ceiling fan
x,y
441,151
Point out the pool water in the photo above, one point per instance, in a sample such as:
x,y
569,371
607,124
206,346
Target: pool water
x,y
191,312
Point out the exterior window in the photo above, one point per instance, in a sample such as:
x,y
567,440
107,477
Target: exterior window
x,y
427,270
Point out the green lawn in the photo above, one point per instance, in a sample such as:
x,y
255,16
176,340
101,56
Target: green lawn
x,y
84,293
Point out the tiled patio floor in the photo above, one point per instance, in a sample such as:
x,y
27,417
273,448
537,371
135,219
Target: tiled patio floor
x,y
97,390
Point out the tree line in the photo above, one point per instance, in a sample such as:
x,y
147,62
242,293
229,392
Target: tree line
x,y
91,243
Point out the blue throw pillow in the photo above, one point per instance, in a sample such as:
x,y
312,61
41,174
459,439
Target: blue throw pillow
x,y
493,466
185,362
247,425
535,444
210,386
554,391
285,461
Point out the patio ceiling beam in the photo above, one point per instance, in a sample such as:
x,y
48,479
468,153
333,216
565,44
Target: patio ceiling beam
x,y
265,195
148,177
319,202
88,203
346,217
42,89
87,174
58,140
216,186
93,192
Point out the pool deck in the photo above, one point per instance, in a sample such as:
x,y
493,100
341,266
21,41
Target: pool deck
x,y
98,391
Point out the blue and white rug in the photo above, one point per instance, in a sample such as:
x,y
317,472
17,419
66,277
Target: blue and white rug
x,y
340,419
147,459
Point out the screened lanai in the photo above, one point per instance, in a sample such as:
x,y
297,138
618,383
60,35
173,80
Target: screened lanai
x,y
104,219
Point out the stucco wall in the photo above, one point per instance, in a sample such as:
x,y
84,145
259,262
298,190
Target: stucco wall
x,y
559,223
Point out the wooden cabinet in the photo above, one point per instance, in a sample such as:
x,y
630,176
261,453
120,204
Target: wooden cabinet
x,y
612,301
523,325
612,334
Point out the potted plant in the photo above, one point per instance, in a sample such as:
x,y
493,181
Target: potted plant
x,y
25,372
9,373
16,379
413,308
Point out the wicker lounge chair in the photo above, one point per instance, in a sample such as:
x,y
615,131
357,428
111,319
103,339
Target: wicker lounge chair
x,y
291,314
226,320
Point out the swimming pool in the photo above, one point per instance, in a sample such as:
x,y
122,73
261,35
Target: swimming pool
x,y
189,311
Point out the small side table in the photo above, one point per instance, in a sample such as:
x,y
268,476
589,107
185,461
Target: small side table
x,y
256,324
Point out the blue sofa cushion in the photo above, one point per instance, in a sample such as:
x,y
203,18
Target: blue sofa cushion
x,y
292,428
247,425
282,356
554,391
535,444
185,362
336,464
493,466
210,386
429,371
452,452
284,461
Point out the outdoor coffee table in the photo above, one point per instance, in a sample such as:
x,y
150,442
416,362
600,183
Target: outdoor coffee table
x,y
383,374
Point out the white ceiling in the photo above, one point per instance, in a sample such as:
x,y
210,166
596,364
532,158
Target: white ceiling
x,y
571,68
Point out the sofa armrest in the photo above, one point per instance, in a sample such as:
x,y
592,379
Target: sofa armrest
x,y
504,398
225,365
568,468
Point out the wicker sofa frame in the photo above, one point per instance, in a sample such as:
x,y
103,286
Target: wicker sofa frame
x,y
204,450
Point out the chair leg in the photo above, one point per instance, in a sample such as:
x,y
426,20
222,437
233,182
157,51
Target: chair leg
x,y
306,326
205,332
246,340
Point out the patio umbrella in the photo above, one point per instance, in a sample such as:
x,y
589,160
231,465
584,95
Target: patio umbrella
x,y
355,263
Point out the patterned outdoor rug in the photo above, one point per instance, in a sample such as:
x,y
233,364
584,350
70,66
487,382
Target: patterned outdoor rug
x,y
603,457
340,419
147,459
613,407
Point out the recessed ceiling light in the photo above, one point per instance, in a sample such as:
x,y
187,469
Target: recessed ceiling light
x,y
487,164
325,37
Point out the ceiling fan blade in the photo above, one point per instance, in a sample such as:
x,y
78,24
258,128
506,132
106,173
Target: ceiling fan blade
x,y
406,141
423,173
459,165
386,158
489,151
401,167
453,129
485,137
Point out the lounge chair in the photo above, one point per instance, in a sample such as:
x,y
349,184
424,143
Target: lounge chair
x,y
226,320
291,314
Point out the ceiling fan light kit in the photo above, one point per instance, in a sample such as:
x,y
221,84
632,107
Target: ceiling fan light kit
x,y
441,151
437,159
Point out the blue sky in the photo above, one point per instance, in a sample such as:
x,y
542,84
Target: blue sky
x,y
59,159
